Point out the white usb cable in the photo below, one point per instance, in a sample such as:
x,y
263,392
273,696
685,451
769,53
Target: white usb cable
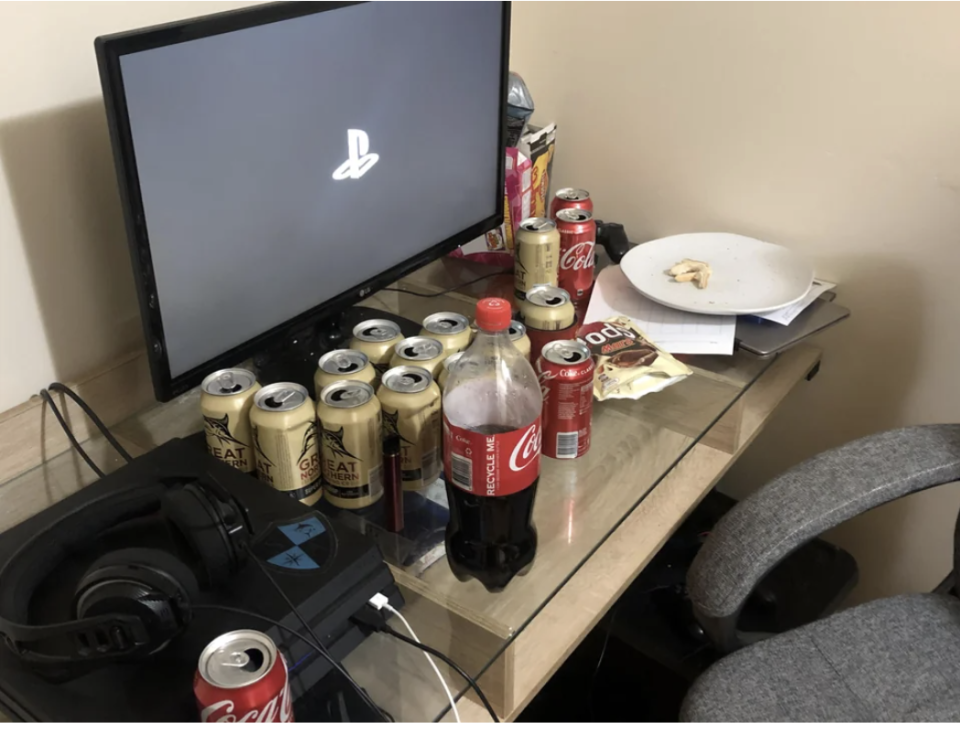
x,y
380,601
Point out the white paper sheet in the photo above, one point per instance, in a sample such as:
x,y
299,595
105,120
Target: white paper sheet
x,y
678,332
788,313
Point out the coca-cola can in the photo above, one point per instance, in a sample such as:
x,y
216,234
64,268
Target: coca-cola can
x,y
241,677
565,369
570,197
578,236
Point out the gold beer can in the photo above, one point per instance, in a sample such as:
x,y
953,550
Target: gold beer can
x,y
548,308
343,364
376,338
518,335
225,401
423,352
410,401
452,330
449,364
352,444
537,256
284,428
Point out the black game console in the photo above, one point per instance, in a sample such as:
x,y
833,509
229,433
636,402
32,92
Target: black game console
x,y
328,573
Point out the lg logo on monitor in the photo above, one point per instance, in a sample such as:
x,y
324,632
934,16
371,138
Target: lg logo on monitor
x,y
358,161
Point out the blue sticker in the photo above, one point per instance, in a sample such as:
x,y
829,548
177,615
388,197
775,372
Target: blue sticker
x,y
294,559
303,531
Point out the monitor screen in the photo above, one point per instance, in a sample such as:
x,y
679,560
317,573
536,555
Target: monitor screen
x,y
286,163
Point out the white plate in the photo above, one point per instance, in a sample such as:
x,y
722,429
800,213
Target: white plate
x,y
749,276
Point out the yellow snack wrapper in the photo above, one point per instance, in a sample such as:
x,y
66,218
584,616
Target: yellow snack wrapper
x,y
629,365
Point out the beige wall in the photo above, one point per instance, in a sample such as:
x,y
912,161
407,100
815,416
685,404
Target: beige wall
x,y
67,302
831,128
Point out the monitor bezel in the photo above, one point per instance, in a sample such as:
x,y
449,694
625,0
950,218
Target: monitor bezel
x,y
109,50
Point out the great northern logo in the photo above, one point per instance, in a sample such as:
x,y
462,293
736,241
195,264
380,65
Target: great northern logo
x,y
333,440
391,425
309,440
219,428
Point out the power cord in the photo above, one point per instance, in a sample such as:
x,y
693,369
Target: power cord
x,y
60,387
318,644
382,601
446,291
70,436
374,620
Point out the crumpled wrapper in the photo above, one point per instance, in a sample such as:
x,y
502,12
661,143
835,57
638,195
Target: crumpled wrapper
x,y
519,108
629,365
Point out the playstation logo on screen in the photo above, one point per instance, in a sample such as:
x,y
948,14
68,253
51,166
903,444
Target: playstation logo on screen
x,y
358,161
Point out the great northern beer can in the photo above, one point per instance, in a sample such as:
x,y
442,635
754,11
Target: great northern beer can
x,y
425,352
518,335
410,401
241,678
548,315
376,338
452,330
578,236
225,401
283,423
565,369
537,256
343,364
352,446
568,198
449,364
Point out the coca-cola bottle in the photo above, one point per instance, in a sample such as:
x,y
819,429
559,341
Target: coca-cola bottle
x,y
491,454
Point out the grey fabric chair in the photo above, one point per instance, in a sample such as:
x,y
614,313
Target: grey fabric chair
x,y
894,659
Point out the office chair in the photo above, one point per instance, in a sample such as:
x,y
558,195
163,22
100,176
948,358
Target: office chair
x,y
893,659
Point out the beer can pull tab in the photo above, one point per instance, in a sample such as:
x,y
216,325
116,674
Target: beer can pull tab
x,y
228,383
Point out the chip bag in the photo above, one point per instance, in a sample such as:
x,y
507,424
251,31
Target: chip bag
x,y
629,365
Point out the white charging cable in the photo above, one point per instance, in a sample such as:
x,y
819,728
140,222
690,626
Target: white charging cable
x,y
380,601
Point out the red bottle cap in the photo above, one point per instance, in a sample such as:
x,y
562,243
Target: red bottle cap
x,y
493,315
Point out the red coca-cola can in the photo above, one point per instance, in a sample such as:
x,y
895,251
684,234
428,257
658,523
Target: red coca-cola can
x,y
241,677
578,236
570,197
565,369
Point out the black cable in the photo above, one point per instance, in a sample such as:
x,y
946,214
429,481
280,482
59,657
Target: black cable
x,y
434,652
60,387
258,616
446,291
72,438
319,643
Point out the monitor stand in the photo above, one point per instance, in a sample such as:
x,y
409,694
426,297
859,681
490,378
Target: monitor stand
x,y
297,360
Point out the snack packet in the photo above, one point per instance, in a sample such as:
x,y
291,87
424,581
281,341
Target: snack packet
x,y
629,365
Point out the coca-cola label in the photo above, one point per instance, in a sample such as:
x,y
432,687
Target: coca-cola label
x,y
577,257
496,464
277,709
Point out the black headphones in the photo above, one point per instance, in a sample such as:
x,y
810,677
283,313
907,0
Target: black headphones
x,y
130,602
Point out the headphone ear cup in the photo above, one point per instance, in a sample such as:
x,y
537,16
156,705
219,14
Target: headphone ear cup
x,y
198,523
148,583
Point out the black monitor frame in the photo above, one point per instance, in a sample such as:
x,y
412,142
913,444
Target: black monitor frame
x,y
109,51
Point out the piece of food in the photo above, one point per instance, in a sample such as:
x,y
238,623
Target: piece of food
x,y
687,265
689,270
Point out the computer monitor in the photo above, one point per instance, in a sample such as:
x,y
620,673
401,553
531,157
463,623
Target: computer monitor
x,y
277,164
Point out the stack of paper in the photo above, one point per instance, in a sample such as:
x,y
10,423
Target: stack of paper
x,y
678,332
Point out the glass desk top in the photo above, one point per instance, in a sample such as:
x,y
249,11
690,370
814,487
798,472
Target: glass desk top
x,y
579,503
